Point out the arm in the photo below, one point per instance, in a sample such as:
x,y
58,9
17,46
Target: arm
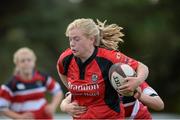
x,y
142,73
72,107
11,114
55,89
57,99
64,103
133,82
6,97
153,102
52,106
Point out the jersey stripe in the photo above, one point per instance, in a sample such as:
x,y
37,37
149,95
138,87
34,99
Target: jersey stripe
x,y
50,84
66,61
55,89
150,91
111,97
30,91
135,109
28,106
5,88
4,103
129,104
32,96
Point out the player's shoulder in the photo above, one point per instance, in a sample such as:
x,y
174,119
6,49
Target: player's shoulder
x,y
104,51
40,74
65,54
109,53
11,82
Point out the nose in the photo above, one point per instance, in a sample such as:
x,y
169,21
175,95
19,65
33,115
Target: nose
x,y
26,62
72,43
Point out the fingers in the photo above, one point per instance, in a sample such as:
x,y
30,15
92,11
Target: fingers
x,y
76,115
124,89
129,78
79,109
129,85
78,112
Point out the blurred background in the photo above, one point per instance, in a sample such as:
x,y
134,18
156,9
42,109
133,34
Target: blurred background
x,y
151,29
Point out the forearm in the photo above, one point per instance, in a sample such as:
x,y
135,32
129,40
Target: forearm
x,y
11,114
63,105
65,102
57,99
142,72
154,102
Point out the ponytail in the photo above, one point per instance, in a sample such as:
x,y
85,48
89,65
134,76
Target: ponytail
x,y
110,35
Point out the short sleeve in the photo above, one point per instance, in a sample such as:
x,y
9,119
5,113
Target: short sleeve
x,y
52,86
60,66
6,96
64,61
148,90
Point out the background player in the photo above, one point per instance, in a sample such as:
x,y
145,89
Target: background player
x,y
136,107
23,96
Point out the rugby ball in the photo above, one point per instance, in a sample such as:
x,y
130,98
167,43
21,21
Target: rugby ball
x,y
117,74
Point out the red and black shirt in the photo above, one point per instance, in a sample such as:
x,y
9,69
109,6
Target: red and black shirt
x,y
89,83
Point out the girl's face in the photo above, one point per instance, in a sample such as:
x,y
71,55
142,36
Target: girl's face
x,y
25,63
80,45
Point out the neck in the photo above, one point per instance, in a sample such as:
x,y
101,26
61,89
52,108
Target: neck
x,y
87,55
26,76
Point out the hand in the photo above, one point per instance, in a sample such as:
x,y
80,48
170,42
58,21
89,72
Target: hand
x,y
50,109
130,84
74,109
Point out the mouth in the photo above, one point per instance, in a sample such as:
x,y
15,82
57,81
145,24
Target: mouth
x,y
74,51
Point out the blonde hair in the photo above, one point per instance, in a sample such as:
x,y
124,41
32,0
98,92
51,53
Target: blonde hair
x,y
19,52
107,36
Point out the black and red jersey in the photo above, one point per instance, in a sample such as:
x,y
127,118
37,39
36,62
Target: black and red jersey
x,y
89,83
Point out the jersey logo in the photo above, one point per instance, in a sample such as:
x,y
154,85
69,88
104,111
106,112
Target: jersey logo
x,y
94,77
118,55
20,86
